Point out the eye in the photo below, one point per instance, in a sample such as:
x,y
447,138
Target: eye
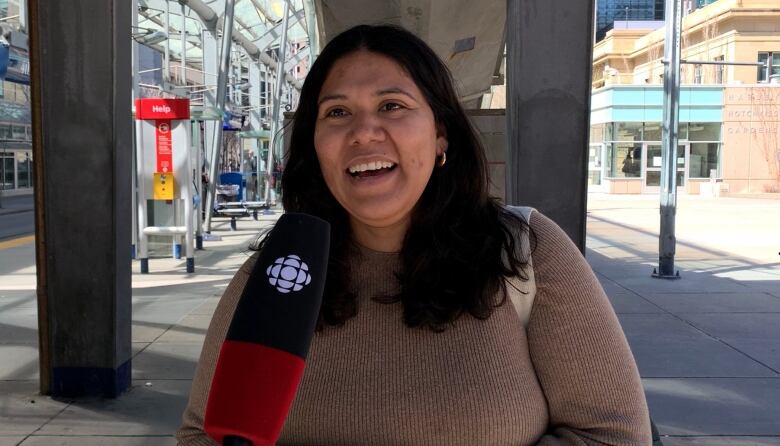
x,y
391,106
336,113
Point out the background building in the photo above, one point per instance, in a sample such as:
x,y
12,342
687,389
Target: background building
x,y
15,117
608,11
729,115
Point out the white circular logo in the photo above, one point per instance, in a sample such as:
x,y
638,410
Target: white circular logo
x,y
288,273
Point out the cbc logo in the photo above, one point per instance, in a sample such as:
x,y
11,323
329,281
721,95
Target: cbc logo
x,y
288,273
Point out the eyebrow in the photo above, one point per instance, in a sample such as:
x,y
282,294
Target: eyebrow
x,y
384,91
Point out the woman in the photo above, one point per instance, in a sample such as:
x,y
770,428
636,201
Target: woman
x,y
417,343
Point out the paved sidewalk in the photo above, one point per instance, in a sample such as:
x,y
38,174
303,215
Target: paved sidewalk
x,y
708,345
16,204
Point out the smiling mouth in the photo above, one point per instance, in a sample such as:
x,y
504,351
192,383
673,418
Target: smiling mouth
x,y
370,169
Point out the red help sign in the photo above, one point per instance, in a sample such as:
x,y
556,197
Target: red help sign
x,y
163,145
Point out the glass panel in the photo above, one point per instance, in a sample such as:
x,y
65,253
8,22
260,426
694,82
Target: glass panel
x,y
653,159
18,132
653,178
680,178
704,157
594,165
775,63
628,131
597,133
652,131
762,58
7,173
23,170
697,74
594,178
708,131
609,131
5,131
682,130
625,160
719,69
681,157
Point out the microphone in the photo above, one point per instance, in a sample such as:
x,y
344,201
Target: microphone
x,y
262,359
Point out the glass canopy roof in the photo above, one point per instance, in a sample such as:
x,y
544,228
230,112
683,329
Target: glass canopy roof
x,y
252,19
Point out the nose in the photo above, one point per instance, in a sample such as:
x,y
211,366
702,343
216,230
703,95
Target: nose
x,y
365,128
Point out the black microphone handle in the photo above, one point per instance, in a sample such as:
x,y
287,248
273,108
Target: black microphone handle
x,y
232,440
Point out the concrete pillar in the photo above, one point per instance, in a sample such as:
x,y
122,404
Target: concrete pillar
x,y
548,108
82,124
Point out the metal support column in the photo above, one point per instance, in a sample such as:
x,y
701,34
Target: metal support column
x,y
197,157
136,95
224,66
547,167
255,89
278,92
82,139
671,119
183,36
210,69
167,47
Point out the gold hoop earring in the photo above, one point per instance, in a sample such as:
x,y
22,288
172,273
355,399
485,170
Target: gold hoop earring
x,y
442,159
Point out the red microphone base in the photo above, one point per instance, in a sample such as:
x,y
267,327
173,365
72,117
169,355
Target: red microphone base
x,y
251,392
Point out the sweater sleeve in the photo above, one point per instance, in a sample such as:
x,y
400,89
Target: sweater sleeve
x,y
191,431
580,354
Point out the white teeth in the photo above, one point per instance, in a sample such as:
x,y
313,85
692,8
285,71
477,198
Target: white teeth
x,y
374,165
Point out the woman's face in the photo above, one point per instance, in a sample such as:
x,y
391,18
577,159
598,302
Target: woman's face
x,y
376,139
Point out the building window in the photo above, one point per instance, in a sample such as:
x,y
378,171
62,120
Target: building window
x,y
697,74
23,170
774,65
627,131
705,156
624,160
5,131
597,133
19,133
704,131
6,170
719,70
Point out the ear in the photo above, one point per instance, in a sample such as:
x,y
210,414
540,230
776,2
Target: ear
x,y
441,139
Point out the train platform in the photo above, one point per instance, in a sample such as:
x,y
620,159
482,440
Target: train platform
x,y
707,345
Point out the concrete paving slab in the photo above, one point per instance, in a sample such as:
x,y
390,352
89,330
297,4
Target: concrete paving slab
x,y
703,358
665,346
18,362
761,326
766,286
721,441
143,411
631,303
102,440
693,283
715,302
767,351
191,329
10,441
207,307
167,361
715,406
167,309
19,329
23,410
662,327
147,332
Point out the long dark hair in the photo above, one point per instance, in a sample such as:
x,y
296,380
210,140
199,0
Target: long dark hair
x,y
460,244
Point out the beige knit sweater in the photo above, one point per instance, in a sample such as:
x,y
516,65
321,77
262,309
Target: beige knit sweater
x,y
569,379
